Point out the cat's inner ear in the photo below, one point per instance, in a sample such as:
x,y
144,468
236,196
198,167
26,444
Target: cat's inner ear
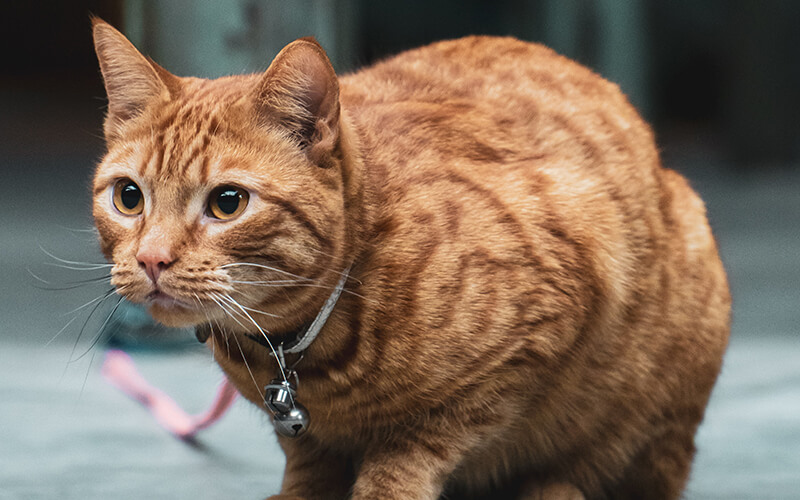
x,y
300,92
132,81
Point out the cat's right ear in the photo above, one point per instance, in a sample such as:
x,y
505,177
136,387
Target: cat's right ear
x,y
132,81
300,92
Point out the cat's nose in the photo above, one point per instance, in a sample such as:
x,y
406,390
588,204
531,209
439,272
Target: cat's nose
x,y
153,261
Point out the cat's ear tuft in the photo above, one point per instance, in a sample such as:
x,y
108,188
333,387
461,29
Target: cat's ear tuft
x,y
131,80
300,92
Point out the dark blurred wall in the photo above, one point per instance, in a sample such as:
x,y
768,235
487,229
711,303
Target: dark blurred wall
x,y
50,86
723,74
730,70
40,37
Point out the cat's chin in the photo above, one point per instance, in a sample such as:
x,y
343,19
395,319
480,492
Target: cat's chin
x,y
175,316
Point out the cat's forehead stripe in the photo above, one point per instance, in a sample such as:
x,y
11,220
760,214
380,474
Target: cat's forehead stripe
x,y
182,131
184,137
204,170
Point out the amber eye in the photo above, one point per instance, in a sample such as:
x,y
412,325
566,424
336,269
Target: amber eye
x,y
227,202
128,198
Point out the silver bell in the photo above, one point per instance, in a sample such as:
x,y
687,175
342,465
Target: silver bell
x,y
292,423
279,396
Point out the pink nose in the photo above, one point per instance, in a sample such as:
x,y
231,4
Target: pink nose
x,y
153,261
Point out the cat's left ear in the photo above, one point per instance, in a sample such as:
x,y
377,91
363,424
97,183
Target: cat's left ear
x,y
132,81
300,91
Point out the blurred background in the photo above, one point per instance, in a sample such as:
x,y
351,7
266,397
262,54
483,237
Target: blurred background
x,y
718,79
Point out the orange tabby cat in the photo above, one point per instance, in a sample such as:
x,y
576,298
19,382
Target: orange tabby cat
x,y
534,307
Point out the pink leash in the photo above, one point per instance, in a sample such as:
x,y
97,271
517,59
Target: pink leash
x,y
120,371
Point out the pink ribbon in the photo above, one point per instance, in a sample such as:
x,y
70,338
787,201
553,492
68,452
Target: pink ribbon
x,y
120,370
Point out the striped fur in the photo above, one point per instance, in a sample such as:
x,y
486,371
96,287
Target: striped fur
x,y
536,308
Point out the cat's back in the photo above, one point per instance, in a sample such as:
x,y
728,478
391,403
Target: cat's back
x,y
485,70
496,100
496,150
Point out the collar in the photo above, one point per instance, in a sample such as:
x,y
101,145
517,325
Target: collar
x,y
297,341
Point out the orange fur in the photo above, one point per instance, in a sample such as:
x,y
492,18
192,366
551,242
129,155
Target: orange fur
x,y
536,308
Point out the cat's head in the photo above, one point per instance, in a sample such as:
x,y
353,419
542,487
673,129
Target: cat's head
x,y
221,200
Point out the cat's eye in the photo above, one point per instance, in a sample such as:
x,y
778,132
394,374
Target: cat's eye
x,y
227,202
128,198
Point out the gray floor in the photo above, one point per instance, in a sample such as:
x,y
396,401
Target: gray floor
x,y
64,433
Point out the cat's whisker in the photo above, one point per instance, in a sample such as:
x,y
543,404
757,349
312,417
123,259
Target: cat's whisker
x,y
84,265
268,284
261,331
100,330
237,304
99,279
226,335
326,254
93,344
88,267
249,370
92,230
339,272
100,298
203,308
262,266
105,297
86,375
70,285
272,282
58,333
225,308
228,310
91,281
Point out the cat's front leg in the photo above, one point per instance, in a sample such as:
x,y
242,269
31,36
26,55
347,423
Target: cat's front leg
x,y
412,468
313,472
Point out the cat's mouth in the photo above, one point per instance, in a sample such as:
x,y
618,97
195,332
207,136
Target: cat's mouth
x,y
169,310
165,300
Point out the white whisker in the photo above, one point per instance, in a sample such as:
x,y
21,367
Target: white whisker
x,y
263,333
84,265
205,313
69,285
340,273
100,298
88,267
92,230
268,284
222,330
237,304
247,365
228,310
262,266
217,299
100,330
108,294
60,331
